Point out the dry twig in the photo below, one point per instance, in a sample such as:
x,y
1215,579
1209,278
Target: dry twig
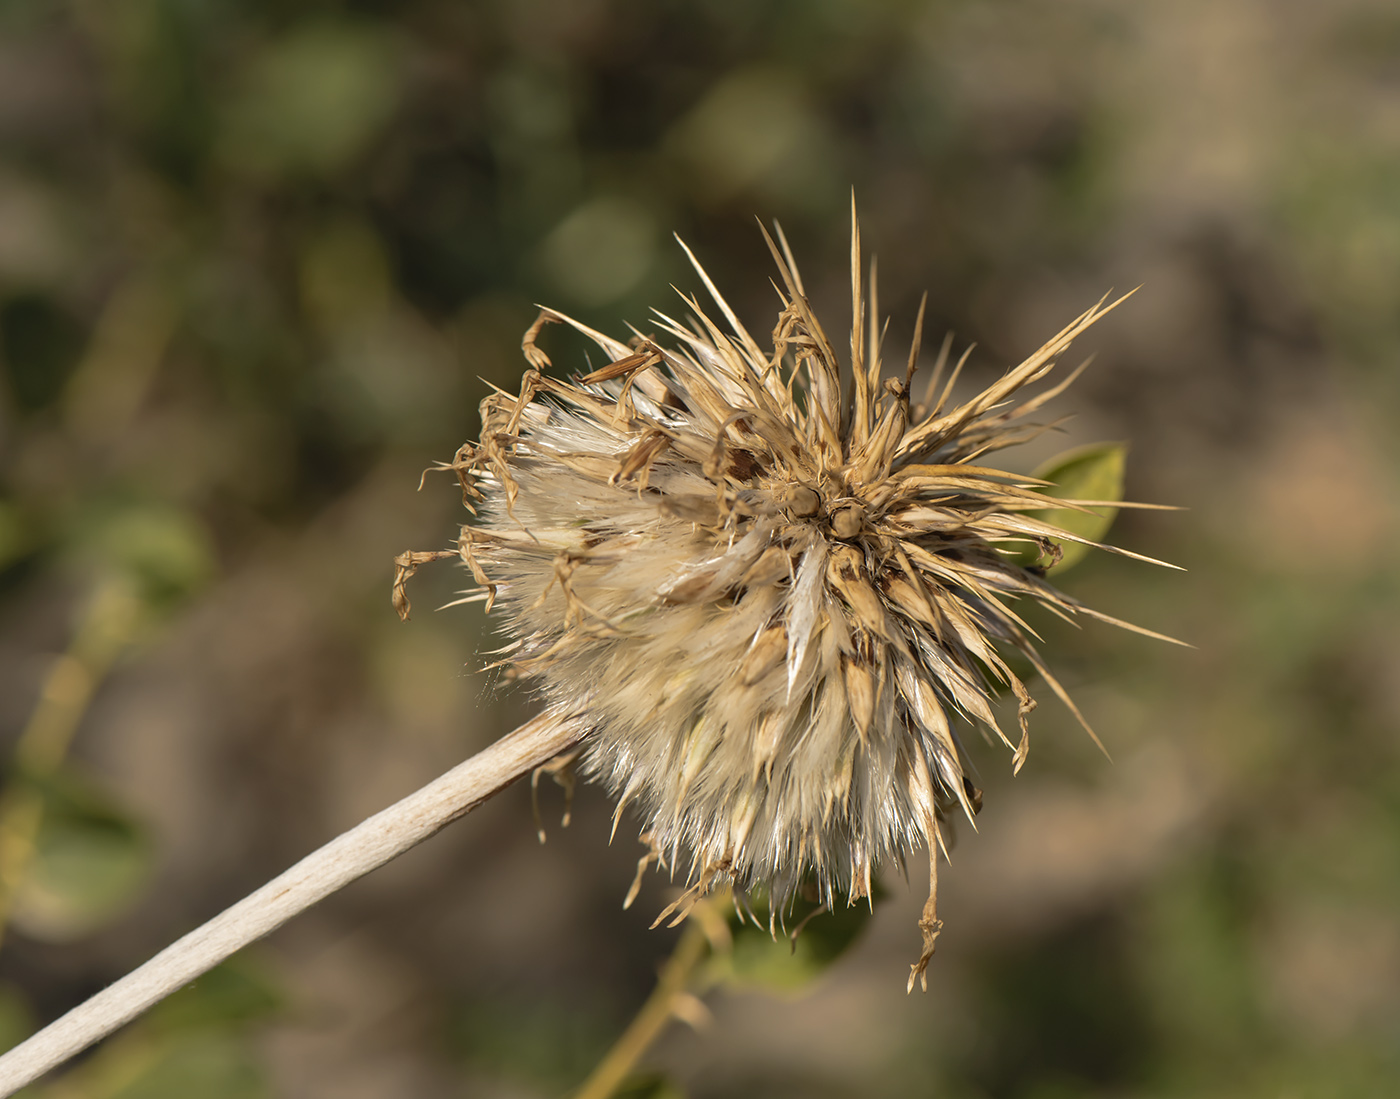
x,y
349,856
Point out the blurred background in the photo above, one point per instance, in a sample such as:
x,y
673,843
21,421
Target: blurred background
x,y
258,262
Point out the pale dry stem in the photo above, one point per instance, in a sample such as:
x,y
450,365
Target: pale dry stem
x,y
705,931
349,856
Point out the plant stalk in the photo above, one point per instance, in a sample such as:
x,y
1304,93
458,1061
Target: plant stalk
x,y
103,634
646,1026
349,856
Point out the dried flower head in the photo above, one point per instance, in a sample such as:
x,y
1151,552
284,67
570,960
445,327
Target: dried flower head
x,y
772,584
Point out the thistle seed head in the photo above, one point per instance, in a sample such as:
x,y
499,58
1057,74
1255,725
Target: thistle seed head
x,y
776,585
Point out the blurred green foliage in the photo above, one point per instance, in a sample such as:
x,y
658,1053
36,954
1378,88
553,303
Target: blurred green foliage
x,y
90,860
536,1043
194,1043
163,553
787,958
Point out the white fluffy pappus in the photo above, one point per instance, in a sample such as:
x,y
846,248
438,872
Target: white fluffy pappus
x,y
774,585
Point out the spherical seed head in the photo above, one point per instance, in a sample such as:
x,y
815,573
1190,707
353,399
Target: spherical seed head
x,y
775,586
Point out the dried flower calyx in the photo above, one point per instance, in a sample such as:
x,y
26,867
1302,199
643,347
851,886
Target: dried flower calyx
x,y
773,584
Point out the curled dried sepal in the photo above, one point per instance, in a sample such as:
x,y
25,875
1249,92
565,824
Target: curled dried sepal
x,y
405,565
774,587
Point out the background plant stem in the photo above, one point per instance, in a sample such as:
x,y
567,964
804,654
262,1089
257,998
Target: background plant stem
x,y
660,1007
103,634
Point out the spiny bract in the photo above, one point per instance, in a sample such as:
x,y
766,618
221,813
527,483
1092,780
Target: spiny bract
x,y
767,582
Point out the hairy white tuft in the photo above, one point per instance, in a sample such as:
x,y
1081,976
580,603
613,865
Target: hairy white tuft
x,y
765,580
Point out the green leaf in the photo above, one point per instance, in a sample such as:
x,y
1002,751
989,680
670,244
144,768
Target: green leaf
x,y
540,1042
163,550
233,994
16,1018
195,1043
1092,472
209,1065
311,100
15,536
793,958
649,1086
90,862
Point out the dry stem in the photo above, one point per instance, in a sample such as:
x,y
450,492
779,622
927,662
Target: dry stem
x,y
351,855
647,1025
